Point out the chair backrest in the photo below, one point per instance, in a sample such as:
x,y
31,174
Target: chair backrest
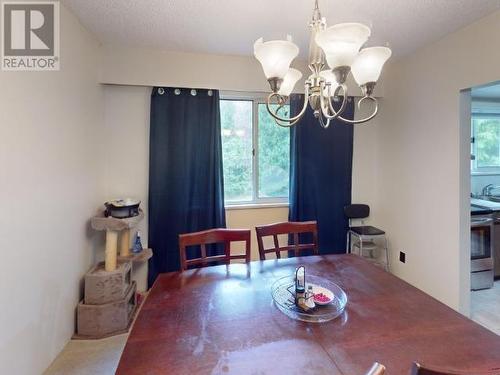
x,y
418,369
357,211
290,228
213,236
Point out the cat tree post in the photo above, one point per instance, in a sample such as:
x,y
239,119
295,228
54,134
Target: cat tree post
x,y
110,252
125,243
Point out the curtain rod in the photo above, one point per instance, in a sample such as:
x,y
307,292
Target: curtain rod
x,y
222,91
182,87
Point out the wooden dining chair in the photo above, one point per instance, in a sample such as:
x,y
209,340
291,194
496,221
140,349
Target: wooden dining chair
x,y
418,369
290,228
213,236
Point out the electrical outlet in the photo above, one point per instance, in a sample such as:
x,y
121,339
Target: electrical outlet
x,y
402,257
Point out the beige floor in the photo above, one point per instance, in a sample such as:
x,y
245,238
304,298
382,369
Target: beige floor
x,y
85,357
485,307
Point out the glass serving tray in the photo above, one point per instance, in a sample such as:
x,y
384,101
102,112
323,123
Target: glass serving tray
x,y
283,291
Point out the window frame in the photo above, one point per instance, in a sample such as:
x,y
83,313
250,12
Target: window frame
x,y
256,201
475,170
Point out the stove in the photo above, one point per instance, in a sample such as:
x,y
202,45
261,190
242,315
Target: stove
x,y
482,264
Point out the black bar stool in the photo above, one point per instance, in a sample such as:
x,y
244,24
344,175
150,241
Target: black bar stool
x,y
362,237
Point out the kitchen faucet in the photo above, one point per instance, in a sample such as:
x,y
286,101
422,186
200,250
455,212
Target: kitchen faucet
x,y
488,189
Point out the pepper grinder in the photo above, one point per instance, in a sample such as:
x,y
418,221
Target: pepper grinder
x,y
302,300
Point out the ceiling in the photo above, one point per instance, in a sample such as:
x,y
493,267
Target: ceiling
x,y
232,26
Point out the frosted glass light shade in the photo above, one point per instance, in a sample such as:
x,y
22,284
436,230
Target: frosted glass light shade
x,y
275,56
367,66
329,78
341,43
291,78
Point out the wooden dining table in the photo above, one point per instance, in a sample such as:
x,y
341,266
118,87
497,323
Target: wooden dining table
x,y
222,320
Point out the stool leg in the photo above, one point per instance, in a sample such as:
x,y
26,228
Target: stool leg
x,y
111,248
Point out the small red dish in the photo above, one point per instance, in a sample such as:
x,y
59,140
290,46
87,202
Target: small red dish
x,y
322,296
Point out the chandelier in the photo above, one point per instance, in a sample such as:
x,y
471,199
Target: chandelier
x,y
325,89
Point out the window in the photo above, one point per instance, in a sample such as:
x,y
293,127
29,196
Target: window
x,y
256,152
485,143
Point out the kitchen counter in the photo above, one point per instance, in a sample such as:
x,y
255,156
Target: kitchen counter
x,y
478,210
478,204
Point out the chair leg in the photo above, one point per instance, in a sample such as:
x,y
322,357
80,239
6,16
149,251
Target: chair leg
x,y
352,244
361,246
347,249
370,251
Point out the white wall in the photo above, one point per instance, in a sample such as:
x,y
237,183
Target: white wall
x,y
422,190
51,135
126,155
148,67
365,161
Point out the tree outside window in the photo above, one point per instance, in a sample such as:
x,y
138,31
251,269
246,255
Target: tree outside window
x,y
486,143
256,153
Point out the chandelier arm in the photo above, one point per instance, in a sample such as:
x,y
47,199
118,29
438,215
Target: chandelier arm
x,y
375,111
286,125
322,122
344,100
328,107
293,120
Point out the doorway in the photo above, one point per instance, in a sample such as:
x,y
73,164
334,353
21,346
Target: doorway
x,y
483,121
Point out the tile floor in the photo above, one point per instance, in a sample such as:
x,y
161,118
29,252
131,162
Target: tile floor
x,y
85,357
485,307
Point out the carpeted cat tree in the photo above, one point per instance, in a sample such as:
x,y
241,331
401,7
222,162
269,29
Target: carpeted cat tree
x,y
110,302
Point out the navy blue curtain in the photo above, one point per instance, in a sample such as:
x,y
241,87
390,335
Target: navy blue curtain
x,y
320,174
186,191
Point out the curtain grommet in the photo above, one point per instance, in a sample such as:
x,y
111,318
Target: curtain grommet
x,y
177,91
161,90
210,92
193,92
